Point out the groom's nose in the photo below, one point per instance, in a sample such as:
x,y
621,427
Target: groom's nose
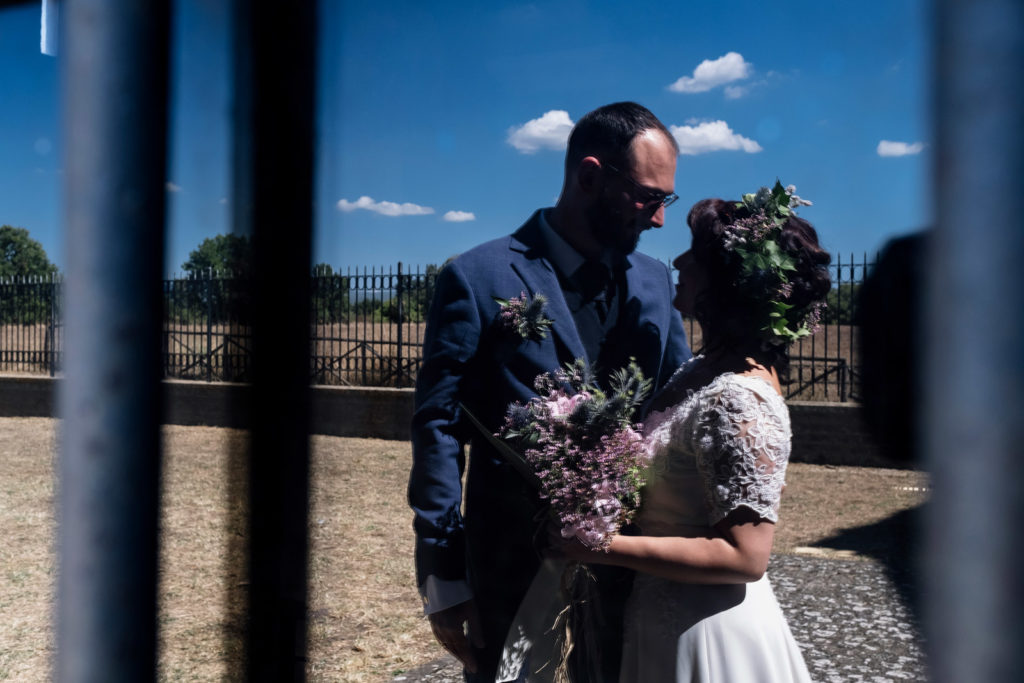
x,y
658,217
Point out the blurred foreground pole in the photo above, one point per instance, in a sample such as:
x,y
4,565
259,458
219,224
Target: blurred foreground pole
x,y
974,379
275,50
114,69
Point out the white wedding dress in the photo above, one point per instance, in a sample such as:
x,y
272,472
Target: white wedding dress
x,y
724,446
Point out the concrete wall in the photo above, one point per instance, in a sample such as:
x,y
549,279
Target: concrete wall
x,y
833,434
823,433
337,411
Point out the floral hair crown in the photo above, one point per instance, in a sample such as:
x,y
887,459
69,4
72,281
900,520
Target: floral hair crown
x,y
765,265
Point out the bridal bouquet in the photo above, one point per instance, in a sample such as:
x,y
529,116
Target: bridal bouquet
x,y
579,445
581,449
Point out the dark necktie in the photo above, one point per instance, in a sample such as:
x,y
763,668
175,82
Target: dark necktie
x,y
593,281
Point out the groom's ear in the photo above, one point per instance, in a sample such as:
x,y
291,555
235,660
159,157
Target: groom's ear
x,y
588,175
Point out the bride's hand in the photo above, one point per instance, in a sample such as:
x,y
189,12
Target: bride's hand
x,y
571,549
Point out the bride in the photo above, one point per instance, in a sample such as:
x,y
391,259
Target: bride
x,y
702,608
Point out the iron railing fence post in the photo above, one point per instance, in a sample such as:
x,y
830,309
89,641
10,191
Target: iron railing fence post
x,y
208,289
51,321
401,323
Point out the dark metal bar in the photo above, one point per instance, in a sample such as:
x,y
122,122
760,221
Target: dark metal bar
x,y
115,63
401,324
275,49
974,379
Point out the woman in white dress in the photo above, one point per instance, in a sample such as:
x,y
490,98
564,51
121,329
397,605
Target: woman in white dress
x,y
702,608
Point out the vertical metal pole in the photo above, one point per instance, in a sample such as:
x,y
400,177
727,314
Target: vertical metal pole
x,y
208,288
974,381
114,63
401,323
50,323
274,105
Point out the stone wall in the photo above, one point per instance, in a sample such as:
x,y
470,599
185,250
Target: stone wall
x,y
823,433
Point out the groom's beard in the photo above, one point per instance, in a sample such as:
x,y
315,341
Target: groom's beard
x,y
611,228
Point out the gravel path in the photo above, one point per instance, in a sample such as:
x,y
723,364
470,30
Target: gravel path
x,y
850,617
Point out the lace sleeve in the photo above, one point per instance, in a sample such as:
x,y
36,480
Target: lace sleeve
x,y
743,443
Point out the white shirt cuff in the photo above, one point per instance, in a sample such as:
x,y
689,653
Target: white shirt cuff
x,y
438,594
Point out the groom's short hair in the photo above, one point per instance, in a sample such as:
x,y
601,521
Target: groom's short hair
x,y
608,131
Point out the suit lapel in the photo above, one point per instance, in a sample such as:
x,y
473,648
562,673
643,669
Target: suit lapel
x,y
642,310
639,280
539,277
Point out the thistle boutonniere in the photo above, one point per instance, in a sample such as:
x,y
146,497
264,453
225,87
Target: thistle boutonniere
x,y
525,316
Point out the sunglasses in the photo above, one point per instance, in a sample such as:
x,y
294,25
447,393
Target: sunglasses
x,y
645,197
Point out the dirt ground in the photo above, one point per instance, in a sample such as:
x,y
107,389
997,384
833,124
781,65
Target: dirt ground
x,y
365,617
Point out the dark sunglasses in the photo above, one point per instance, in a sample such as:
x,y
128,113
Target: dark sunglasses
x,y
643,196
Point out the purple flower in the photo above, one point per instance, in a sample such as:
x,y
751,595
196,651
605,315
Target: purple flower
x,y
580,444
524,316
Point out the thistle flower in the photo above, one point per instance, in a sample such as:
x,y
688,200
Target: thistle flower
x,y
794,200
524,316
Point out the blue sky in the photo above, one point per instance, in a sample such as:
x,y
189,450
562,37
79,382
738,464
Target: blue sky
x,y
441,125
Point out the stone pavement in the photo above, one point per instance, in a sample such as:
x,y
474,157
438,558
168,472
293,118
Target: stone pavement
x,y
852,618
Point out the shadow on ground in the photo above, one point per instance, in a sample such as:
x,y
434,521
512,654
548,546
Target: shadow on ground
x,y
895,542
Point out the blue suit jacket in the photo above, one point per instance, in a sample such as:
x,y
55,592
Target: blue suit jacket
x,y
469,359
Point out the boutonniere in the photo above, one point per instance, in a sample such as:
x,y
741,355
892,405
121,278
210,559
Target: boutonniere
x,y
525,316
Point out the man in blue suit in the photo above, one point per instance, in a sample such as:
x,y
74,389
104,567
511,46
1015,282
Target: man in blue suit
x,y
607,304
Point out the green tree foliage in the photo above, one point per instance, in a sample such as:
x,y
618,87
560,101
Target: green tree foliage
x,y
411,300
330,295
216,290
221,254
28,291
22,256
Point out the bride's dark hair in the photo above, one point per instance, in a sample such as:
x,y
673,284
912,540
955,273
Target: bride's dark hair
x,y
732,315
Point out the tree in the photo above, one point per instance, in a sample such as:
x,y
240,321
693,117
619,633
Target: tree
x,y
22,256
216,289
330,293
415,294
220,254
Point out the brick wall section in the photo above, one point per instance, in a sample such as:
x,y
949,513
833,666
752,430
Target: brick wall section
x,y
823,433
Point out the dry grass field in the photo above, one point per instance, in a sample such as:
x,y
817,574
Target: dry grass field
x,y
365,621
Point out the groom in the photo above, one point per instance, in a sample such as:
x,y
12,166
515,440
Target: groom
x,y
606,303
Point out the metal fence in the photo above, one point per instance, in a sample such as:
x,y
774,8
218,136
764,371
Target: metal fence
x,y
31,330
367,329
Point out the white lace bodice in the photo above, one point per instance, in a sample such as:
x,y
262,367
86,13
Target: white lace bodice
x,y
724,446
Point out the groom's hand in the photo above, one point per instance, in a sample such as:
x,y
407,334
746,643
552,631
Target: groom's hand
x,y
451,627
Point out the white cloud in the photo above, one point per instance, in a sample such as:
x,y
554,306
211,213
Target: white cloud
x,y
711,136
712,73
384,208
171,187
459,216
734,92
888,148
550,131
